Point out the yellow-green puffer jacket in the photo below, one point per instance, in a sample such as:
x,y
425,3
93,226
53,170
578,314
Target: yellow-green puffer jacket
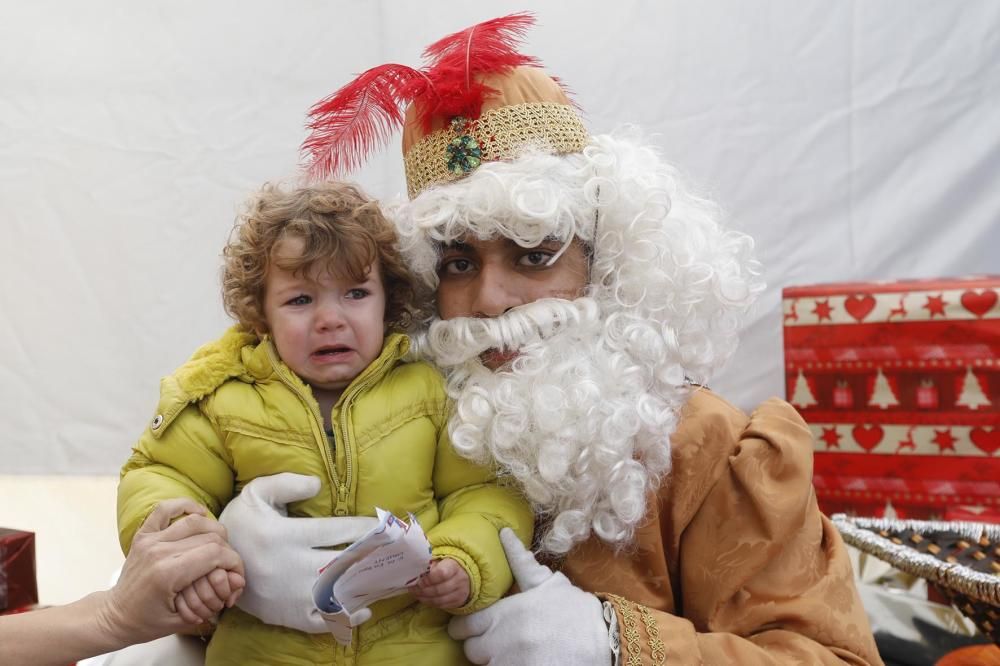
x,y
234,412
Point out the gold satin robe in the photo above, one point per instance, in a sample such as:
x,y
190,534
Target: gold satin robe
x,y
736,564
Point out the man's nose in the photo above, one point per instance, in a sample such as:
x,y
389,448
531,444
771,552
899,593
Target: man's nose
x,y
495,292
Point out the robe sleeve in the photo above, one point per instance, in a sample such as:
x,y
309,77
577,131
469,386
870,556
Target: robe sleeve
x,y
764,577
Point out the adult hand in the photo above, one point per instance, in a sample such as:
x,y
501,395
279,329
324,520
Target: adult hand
x,y
283,555
165,559
551,621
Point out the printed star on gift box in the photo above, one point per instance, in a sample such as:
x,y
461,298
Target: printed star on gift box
x,y
944,440
823,310
831,437
935,305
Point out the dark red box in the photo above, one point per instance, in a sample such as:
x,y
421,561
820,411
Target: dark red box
x,y
18,586
900,384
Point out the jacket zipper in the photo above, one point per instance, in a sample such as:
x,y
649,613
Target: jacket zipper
x,y
331,465
348,401
375,374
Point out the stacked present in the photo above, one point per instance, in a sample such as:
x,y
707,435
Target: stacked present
x,y
900,384
18,588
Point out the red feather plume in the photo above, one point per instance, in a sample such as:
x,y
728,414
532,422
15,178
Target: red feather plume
x,y
361,116
350,123
487,47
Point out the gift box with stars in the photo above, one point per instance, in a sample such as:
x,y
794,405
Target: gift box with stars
x,y
900,384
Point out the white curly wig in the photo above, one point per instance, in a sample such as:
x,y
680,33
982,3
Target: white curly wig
x,y
582,416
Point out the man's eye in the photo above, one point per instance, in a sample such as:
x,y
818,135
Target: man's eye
x,y
456,266
535,258
301,299
358,294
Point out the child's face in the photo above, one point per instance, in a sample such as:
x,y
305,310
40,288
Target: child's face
x,y
327,328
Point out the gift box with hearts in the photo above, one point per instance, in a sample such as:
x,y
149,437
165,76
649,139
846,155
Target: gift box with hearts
x,y
900,383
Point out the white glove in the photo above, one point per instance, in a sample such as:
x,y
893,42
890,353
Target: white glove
x,y
282,556
551,621
340,624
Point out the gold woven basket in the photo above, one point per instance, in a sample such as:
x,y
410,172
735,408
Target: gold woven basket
x,y
961,558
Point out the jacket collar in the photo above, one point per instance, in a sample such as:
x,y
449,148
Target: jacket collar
x,y
261,361
242,354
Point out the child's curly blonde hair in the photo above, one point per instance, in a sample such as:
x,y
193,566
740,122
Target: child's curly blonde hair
x,y
343,232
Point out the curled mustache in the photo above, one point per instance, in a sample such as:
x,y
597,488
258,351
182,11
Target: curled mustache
x,y
452,342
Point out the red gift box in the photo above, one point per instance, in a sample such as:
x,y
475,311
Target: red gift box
x,y
900,384
18,587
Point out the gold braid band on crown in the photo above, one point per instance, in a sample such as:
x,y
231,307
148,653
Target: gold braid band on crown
x,y
503,133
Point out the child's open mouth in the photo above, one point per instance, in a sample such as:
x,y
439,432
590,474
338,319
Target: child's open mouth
x,y
332,352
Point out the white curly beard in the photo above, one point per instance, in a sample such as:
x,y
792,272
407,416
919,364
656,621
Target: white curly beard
x,y
581,418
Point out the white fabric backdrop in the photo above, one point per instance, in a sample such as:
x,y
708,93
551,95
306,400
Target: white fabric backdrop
x,y
854,140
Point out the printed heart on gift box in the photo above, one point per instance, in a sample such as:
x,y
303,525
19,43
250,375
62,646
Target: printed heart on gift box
x,y
979,302
986,440
867,437
859,306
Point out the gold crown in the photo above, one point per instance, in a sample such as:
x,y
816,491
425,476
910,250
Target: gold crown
x,y
500,134
528,113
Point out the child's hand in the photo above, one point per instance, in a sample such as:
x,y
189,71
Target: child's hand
x,y
202,599
446,585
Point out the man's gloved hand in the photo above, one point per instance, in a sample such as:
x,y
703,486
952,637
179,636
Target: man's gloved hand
x,y
551,621
341,624
283,555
